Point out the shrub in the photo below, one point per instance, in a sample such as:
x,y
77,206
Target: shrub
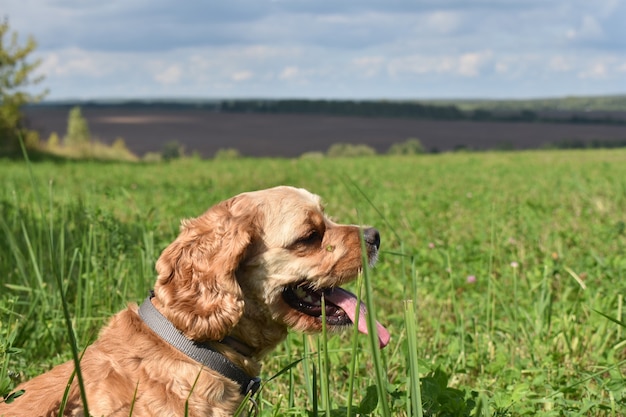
x,y
350,150
152,157
411,146
172,150
227,153
31,139
77,129
53,141
119,144
312,155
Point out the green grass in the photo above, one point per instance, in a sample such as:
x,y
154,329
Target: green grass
x,y
538,330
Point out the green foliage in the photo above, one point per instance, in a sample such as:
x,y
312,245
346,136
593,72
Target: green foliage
x,y
537,331
53,141
411,146
31,139
582,103
312,155
172,150
15,76
152,157
7,338
366,407
119,144
343,150
228,153
77,129
580,144
439,400
372,108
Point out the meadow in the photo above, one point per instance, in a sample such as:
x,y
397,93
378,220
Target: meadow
x,y
501,277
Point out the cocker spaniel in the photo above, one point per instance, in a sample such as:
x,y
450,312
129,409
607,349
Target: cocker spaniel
x,y
228,288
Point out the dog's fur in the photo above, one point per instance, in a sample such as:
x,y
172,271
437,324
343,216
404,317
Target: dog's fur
x,y
223,276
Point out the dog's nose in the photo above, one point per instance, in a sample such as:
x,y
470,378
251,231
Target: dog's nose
x,y
372,237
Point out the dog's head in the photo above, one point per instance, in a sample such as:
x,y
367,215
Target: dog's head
x,y
267,258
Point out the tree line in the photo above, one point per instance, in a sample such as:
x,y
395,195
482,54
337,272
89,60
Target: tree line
x,y
410,109
366,108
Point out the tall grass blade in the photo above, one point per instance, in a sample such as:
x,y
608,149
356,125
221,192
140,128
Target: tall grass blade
x,y
355,343
66,394
379,369
324,363
414,380
59,281
614,320
308,364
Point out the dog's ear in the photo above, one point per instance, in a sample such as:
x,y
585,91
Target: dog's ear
x,y
196,285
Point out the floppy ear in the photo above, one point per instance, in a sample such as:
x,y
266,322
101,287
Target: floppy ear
x,y
196,284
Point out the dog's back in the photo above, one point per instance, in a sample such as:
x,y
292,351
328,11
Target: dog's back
x,y
128,359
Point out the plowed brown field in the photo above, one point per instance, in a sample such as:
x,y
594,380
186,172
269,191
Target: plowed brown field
x,y
205,132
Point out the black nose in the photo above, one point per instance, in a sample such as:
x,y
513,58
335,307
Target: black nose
x,y
372,237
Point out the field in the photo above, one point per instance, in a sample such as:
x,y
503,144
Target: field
x,y
514,264
147,129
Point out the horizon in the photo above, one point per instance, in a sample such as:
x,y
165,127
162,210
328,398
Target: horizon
x,y
365,99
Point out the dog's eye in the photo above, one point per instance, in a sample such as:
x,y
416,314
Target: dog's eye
x,y
312,238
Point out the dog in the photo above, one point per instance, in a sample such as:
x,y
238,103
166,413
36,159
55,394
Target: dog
x,y
228,289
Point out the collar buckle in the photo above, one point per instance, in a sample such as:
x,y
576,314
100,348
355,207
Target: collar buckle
x,y
253,386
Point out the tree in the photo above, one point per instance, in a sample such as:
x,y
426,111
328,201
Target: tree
x,y
77,129
15,77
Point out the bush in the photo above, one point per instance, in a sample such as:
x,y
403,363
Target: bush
x,y
152,157
227,153
312,155
53,141
93,150
172,150
77,129
31,139
411,146
350,150
119,144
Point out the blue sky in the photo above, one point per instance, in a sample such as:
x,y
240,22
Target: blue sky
x,y
346,49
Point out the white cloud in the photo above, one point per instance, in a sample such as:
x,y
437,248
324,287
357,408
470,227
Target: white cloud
x,y
416,64
443,21
170,75
588,29
466,65
470,64
242,75
368,66
502,67
559,63
591,28
595,70
289,73
77,62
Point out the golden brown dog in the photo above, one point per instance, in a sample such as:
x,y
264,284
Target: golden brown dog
x,y
229,286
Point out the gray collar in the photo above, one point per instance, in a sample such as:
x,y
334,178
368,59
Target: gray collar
x,y
200,352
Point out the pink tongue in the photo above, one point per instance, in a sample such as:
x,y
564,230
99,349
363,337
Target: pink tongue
x,y
347,301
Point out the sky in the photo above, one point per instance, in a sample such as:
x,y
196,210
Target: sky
x,y
328,49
